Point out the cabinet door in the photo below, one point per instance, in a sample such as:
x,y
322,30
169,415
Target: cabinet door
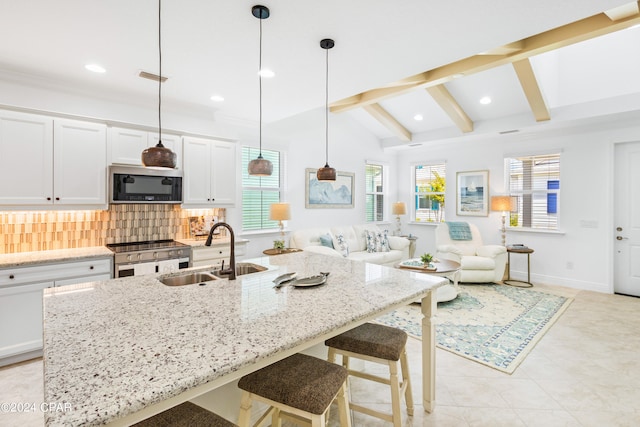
x,y
174,142
21,318
197,171
80,163
26,159
223,173
127,145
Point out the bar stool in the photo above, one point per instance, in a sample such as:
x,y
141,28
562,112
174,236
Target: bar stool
x,y
298,387
379,344
186,414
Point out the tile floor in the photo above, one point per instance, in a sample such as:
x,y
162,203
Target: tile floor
x,y
584,372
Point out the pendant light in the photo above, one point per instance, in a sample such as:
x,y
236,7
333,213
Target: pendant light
x,y
159,156
260,166
327,173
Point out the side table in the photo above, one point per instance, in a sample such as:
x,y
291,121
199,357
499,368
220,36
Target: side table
x,y
519,283
412,244
443,268
280,251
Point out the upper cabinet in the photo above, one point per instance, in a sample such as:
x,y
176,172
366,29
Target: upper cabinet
x,y
47,162
209,173
127,145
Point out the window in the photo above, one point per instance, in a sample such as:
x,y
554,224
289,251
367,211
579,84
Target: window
x,y
259,192
535,182
429,184
374,179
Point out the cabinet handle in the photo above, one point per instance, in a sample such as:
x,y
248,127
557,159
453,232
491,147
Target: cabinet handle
x,y
91,267
11,276
57,198
48,198
213,200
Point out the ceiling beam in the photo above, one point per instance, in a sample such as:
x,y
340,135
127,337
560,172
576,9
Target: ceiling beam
x,y
447,102
507,49
566,35
388,121
529,84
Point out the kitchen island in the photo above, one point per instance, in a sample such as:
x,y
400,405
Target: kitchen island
x,y
119,351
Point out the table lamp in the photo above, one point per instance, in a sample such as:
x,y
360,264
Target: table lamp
x,y
280,212
398,208
503,204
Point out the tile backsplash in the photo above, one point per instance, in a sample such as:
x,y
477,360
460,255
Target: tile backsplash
x,y
45,230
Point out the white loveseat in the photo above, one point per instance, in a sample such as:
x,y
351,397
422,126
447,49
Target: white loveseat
x,y
479,263
355,238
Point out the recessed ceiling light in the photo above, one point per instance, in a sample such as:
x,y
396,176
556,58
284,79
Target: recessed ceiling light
x,y
95,68
217,98
485,100
418,117
266,73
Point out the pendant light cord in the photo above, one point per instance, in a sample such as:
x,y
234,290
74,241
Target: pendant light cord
x,y
326,111
260,92
160,71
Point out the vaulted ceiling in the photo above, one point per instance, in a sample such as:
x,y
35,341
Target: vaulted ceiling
x,y
541,62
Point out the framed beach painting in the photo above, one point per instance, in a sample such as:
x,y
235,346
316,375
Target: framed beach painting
x,y
329,194
472,193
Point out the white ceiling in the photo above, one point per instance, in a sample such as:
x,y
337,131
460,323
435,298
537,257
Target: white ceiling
x,y
211,47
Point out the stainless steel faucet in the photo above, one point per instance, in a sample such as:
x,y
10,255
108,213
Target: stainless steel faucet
x,y
231,271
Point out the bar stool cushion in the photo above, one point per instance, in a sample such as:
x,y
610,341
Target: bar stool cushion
x,y
186,414
301,381
371,339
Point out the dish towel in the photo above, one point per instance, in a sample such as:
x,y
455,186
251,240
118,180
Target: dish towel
x,y
459,230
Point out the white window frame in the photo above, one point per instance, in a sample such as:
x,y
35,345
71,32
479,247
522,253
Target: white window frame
x,y
415,193
526,197
269,225
383,193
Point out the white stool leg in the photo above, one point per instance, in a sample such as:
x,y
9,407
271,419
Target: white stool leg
x,y
244,418
395,393
343,406
408,394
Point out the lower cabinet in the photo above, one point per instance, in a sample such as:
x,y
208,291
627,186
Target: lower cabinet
x,y
21,301
215,254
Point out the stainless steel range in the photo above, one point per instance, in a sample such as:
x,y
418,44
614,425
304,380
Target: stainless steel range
x,y
155,256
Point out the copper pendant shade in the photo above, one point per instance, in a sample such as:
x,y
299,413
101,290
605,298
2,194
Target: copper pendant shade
x,y
159,156
260,166
327,173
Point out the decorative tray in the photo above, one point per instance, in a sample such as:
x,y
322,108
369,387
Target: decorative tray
x,y
416,264
316,280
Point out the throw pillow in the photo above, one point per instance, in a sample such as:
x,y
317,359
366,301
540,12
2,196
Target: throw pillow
x,y
382,243
343,246
370,237
327,241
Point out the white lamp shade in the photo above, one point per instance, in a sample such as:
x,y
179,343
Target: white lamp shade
x,y
399,208
280,212
502,203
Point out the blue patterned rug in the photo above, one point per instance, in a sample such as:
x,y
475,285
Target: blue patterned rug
x,y
495,325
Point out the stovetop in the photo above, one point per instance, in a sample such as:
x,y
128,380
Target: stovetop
x,y
148,245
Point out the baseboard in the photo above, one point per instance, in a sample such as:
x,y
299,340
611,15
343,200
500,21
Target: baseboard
x,y
563,281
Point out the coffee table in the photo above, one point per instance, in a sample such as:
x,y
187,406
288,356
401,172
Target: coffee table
x,y
443,268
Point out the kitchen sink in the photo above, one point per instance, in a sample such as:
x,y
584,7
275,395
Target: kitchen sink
x,y
243,268
188,279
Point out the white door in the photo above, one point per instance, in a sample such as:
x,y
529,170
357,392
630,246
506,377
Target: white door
x,y
197,171
223,173
127,145
627,219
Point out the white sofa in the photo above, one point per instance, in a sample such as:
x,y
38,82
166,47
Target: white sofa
x,y
355,238
479,263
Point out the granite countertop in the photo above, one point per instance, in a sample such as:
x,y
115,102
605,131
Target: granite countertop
x,y
136,342
25,259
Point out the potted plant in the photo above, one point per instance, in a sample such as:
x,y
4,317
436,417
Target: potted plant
x,y
278,244
426,259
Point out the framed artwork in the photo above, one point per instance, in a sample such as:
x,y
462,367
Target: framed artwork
x,y
331,194
199,226
472,193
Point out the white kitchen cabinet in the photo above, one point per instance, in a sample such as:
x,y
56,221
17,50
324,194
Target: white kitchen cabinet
x,y
21,302
210,173
127,145
49,162
216,253
26,159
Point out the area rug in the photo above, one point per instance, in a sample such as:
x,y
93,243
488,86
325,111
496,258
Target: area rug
x,y
492,324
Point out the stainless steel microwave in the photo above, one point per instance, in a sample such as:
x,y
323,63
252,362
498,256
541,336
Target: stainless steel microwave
x,y
134,184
